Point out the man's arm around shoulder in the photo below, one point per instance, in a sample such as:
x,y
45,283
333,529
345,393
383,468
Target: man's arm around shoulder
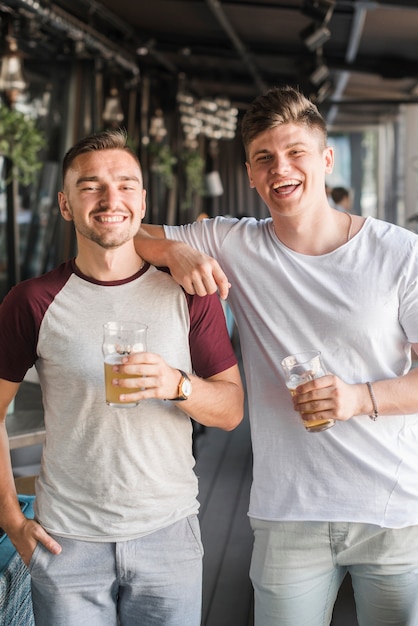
x,y
195,271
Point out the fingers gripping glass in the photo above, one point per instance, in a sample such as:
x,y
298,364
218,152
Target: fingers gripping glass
x,y
121,339
300,368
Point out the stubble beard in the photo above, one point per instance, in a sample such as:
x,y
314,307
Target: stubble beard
x,y
107,241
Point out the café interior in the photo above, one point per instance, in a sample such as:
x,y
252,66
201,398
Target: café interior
x,y
178,75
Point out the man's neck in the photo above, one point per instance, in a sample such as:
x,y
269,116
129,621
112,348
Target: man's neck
x,y
108,265
316,234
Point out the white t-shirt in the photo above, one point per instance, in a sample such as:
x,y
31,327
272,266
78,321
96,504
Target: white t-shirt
x,y
359,306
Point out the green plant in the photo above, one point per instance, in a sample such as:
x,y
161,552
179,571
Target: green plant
x,y
194,167
20,142
162,162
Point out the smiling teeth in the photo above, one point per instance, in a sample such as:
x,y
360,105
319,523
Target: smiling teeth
x,y
285,184
114,218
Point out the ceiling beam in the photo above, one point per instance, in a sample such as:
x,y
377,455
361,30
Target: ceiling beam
x,y
75,29
219,13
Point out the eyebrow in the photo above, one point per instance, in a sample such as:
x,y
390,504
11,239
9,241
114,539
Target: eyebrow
x,y
293,144
96,179
263,151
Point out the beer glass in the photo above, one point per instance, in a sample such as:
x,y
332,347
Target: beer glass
x,y
121,339
300,368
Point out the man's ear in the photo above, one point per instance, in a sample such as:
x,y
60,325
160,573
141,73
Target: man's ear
x,y
329,159
250,178
144,203
64,207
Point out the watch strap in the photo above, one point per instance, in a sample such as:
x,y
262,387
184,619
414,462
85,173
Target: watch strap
x,y
180,397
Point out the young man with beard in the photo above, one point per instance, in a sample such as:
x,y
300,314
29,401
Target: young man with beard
x,y
115,537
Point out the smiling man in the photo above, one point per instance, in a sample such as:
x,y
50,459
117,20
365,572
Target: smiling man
x,y
311,277
115,538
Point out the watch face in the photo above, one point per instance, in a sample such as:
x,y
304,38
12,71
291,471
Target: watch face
x,y
186,387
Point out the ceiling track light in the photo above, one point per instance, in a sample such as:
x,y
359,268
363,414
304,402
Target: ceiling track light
x,y
319,75
323,92
319,10
315,36
320,72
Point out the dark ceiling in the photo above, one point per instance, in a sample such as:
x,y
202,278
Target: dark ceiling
x,y
359,72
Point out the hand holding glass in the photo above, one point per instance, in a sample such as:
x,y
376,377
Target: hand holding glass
x,y
300,368
121,339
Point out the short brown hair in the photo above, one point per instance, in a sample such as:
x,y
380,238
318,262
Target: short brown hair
x,y
281,105
109,139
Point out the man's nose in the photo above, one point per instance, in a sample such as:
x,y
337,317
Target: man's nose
x,y
279,165
108,198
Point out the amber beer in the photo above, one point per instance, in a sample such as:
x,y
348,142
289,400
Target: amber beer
x,y
121,339
300,368
312,426
113,392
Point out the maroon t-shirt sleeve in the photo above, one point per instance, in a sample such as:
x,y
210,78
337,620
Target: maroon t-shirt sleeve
x,y
21,314
210,346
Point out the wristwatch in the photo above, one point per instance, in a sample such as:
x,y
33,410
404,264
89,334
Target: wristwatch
x,y
184,389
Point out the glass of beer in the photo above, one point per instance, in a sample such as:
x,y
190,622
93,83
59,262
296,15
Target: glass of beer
x,y
121,339
300,368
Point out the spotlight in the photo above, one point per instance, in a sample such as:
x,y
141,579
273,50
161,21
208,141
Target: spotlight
x,y
319,75
323,92
319,10
315,36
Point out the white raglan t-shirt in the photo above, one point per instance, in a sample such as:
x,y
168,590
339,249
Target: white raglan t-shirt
x,y
359,306
109,474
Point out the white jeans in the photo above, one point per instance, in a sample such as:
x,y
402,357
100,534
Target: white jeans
x,y
298,567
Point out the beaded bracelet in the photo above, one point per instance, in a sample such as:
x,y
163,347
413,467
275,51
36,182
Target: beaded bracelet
x,y
375,413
